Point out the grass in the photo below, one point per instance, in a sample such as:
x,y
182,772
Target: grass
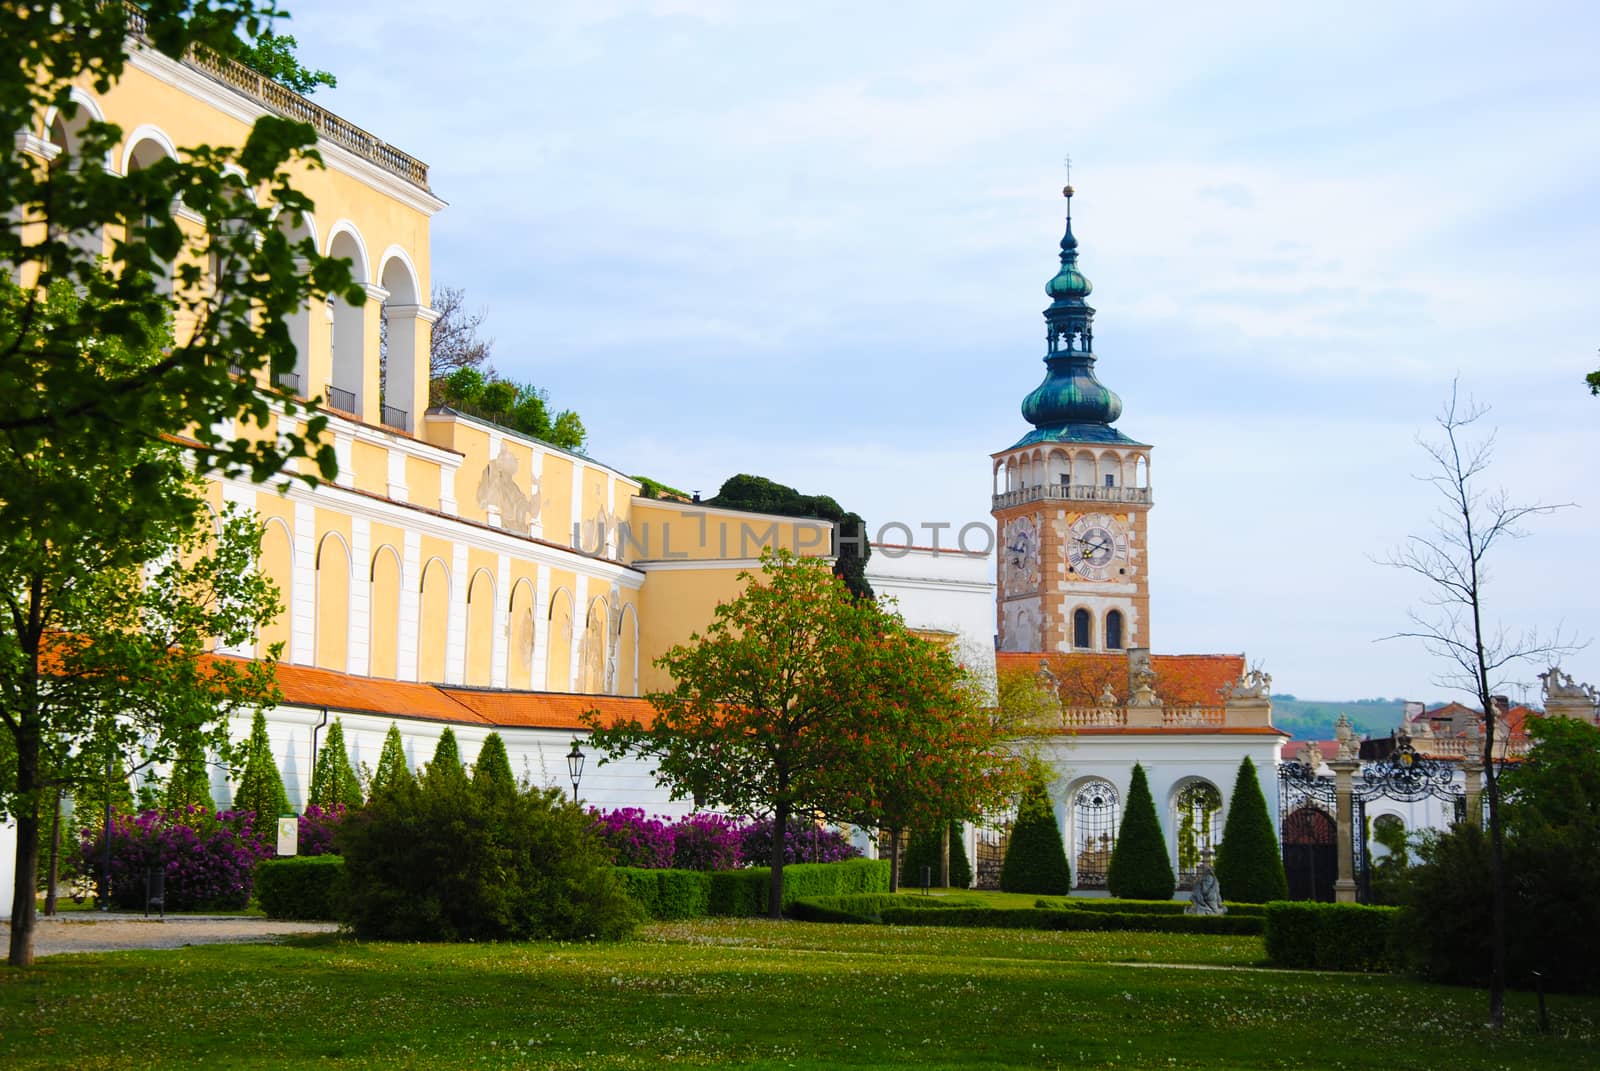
x,y
751,993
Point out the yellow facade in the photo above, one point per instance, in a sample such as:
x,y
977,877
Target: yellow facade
x,y
447,550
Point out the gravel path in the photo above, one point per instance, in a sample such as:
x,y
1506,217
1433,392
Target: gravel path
x,y
83,931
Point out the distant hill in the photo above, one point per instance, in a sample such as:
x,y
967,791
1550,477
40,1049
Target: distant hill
x,y
1314,719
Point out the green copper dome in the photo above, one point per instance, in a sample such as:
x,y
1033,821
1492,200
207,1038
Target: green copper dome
x,y
1071,405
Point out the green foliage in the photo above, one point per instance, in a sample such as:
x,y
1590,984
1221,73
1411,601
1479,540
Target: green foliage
x,y
656,489
1593,379
1249,861
800,698
332,780
493,768
1330,937
1197,804
272,54
911,914
393,770
1387,876
761,495
924,851
1140,869
677,894
1552,864
439,860
518,406
446,762
1142,907
300,887
1035,860
261,787
188,783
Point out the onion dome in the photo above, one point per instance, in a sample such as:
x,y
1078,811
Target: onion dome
x,y
1071,405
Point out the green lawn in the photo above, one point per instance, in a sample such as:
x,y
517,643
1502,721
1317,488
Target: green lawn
x,y
752,993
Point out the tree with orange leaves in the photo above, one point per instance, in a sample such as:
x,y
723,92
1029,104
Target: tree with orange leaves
x,y
802,699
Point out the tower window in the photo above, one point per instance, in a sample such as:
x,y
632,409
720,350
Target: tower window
x,y
1114,630
1080,628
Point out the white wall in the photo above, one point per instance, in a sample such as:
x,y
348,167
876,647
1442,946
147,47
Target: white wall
x,y
8,865
944,591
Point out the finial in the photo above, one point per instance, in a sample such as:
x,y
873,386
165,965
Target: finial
x,y
1067,190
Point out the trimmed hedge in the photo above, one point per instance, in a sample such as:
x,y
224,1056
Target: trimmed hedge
x,y
863,907
1331,937
683,894
1069,919
300,887
1142,907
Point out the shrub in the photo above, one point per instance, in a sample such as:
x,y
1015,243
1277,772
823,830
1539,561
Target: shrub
x,y
1141,907
446,761
392,767
1330,937
633,838
261,788
332,779
803,842
441,861
318,827
668,894
188,784
1249,860
743,893
705,842
1067,919
299,887
208,859
864,907
493,768
1035,860
924,851
1140,868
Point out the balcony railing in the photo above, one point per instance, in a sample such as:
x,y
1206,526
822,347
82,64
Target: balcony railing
x,y
1194,717
341,399
1094,717
1076,492
1117,717
288,103
289,381
394,418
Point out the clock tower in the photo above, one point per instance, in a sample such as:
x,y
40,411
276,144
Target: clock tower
x,y
1072,497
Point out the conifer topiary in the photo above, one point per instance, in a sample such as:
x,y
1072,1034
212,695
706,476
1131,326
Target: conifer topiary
x,y
1249,860
493,768
261,787
1140,868
392,770
188,784
332,780
446,761
1035,860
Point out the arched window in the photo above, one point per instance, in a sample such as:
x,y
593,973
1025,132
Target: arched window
x,y
1197,813
1114,630
1094,832
1080,628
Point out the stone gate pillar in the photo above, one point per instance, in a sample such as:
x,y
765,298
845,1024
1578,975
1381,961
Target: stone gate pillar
x,y
1472,769
1344,889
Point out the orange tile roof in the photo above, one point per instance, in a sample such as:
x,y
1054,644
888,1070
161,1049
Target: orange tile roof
x,y
306,686
1181,680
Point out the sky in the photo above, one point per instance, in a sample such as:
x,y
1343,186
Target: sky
x,y
810,242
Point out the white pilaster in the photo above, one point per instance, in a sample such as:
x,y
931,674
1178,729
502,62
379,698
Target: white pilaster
x,y
575,536
410,598
397,476
447,488
502,621
580,621
359,661
455,652
539,675
343,448
244,498
303,608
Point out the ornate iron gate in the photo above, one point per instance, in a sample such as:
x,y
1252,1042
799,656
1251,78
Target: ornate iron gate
x,y
989,850
1309,831
1094,833
1407,777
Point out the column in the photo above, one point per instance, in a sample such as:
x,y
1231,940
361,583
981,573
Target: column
x,y
1344,889
1472,768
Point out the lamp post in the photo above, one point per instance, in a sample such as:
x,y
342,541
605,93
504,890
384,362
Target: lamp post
x,y
575,767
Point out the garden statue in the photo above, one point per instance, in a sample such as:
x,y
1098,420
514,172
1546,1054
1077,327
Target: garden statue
x,y
1206,896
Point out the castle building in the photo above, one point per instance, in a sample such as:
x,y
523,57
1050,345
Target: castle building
x,y
454,572
1071,503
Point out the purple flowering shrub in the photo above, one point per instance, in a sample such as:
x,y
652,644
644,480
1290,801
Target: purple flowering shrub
x,y
706,842
317,828
711,841
803,842
634,838
209,859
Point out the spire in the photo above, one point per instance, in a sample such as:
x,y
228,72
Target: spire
x,y
1071,403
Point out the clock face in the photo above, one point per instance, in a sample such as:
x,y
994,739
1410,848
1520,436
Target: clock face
x,y
1021,554
1097,547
